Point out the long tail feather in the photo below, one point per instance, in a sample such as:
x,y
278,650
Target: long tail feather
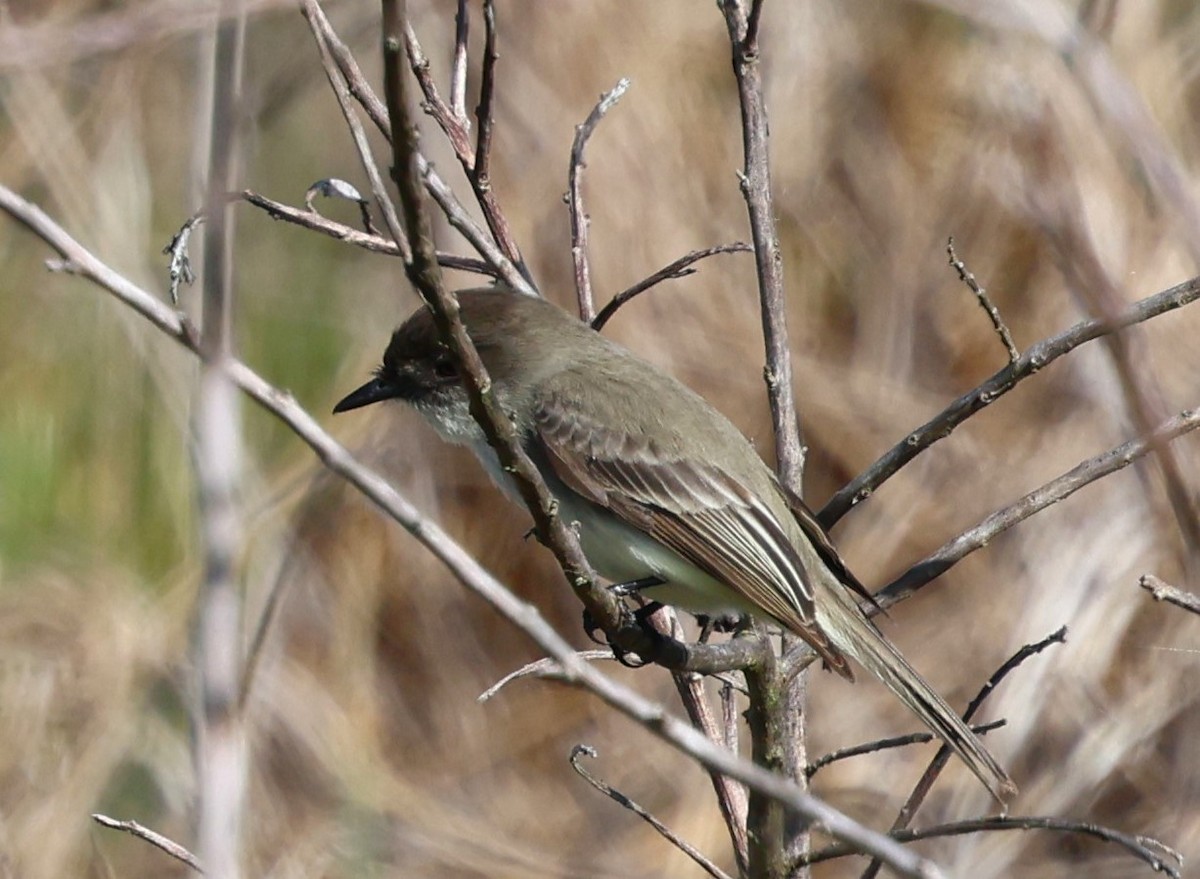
x,y
854,635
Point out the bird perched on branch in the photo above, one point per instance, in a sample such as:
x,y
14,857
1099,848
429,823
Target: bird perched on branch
x,y
665,489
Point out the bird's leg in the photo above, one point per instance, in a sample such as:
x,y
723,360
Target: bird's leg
x,y
641,616
727,622
635,587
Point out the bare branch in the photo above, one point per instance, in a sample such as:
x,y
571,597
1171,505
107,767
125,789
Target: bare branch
x,y
778,835
452,125
756,188
1143,847
544,669
1034,359
1160,590
458,68
666,832
169,846
887,744
485,110
374,243
677,269
579,217
474,162
341,90
455,212
985,301
465,568
1037,500
731,796
219,740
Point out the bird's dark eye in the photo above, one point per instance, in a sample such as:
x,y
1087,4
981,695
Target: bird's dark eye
x,y
444,368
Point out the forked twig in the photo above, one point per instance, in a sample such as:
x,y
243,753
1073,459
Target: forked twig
x,y
616,796
1035,358
579,217
677,269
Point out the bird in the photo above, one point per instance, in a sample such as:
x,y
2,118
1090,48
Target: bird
x,y
663,489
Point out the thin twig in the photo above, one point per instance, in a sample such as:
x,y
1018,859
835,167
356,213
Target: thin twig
x,y
756,188
1083,474
1145,848
374,243
474,161
453,126
616,796
456,213
458,67
925,783
919,738
467,570
579,217
169,846
985,301
485,110
678,269
543,669
315,16
731,796
778,835
1160,590
1035,358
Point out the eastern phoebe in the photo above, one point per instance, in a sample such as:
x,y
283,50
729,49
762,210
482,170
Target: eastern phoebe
x,y
662,485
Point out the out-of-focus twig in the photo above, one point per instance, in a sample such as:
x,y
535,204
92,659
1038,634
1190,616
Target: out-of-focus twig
x,y
219,739
985,301
1035,358
545,669
168,845
579,217
1161,590
1147,849
677,269
464,567
458,67
616,796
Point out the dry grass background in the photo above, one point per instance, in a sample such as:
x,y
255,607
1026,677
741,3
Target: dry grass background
x,y
894,125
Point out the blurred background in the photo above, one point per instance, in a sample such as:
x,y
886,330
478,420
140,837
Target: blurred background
x,y
1057,141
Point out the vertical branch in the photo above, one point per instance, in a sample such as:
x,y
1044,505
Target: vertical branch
x,y
579,217
458,71
220,744
756,188
776,700
422,269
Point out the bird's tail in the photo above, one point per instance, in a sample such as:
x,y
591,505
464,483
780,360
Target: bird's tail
x,y
855,635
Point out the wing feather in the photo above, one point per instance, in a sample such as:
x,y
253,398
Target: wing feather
x,y
692,507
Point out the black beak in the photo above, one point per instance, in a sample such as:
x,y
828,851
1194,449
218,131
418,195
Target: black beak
x,y
372,392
